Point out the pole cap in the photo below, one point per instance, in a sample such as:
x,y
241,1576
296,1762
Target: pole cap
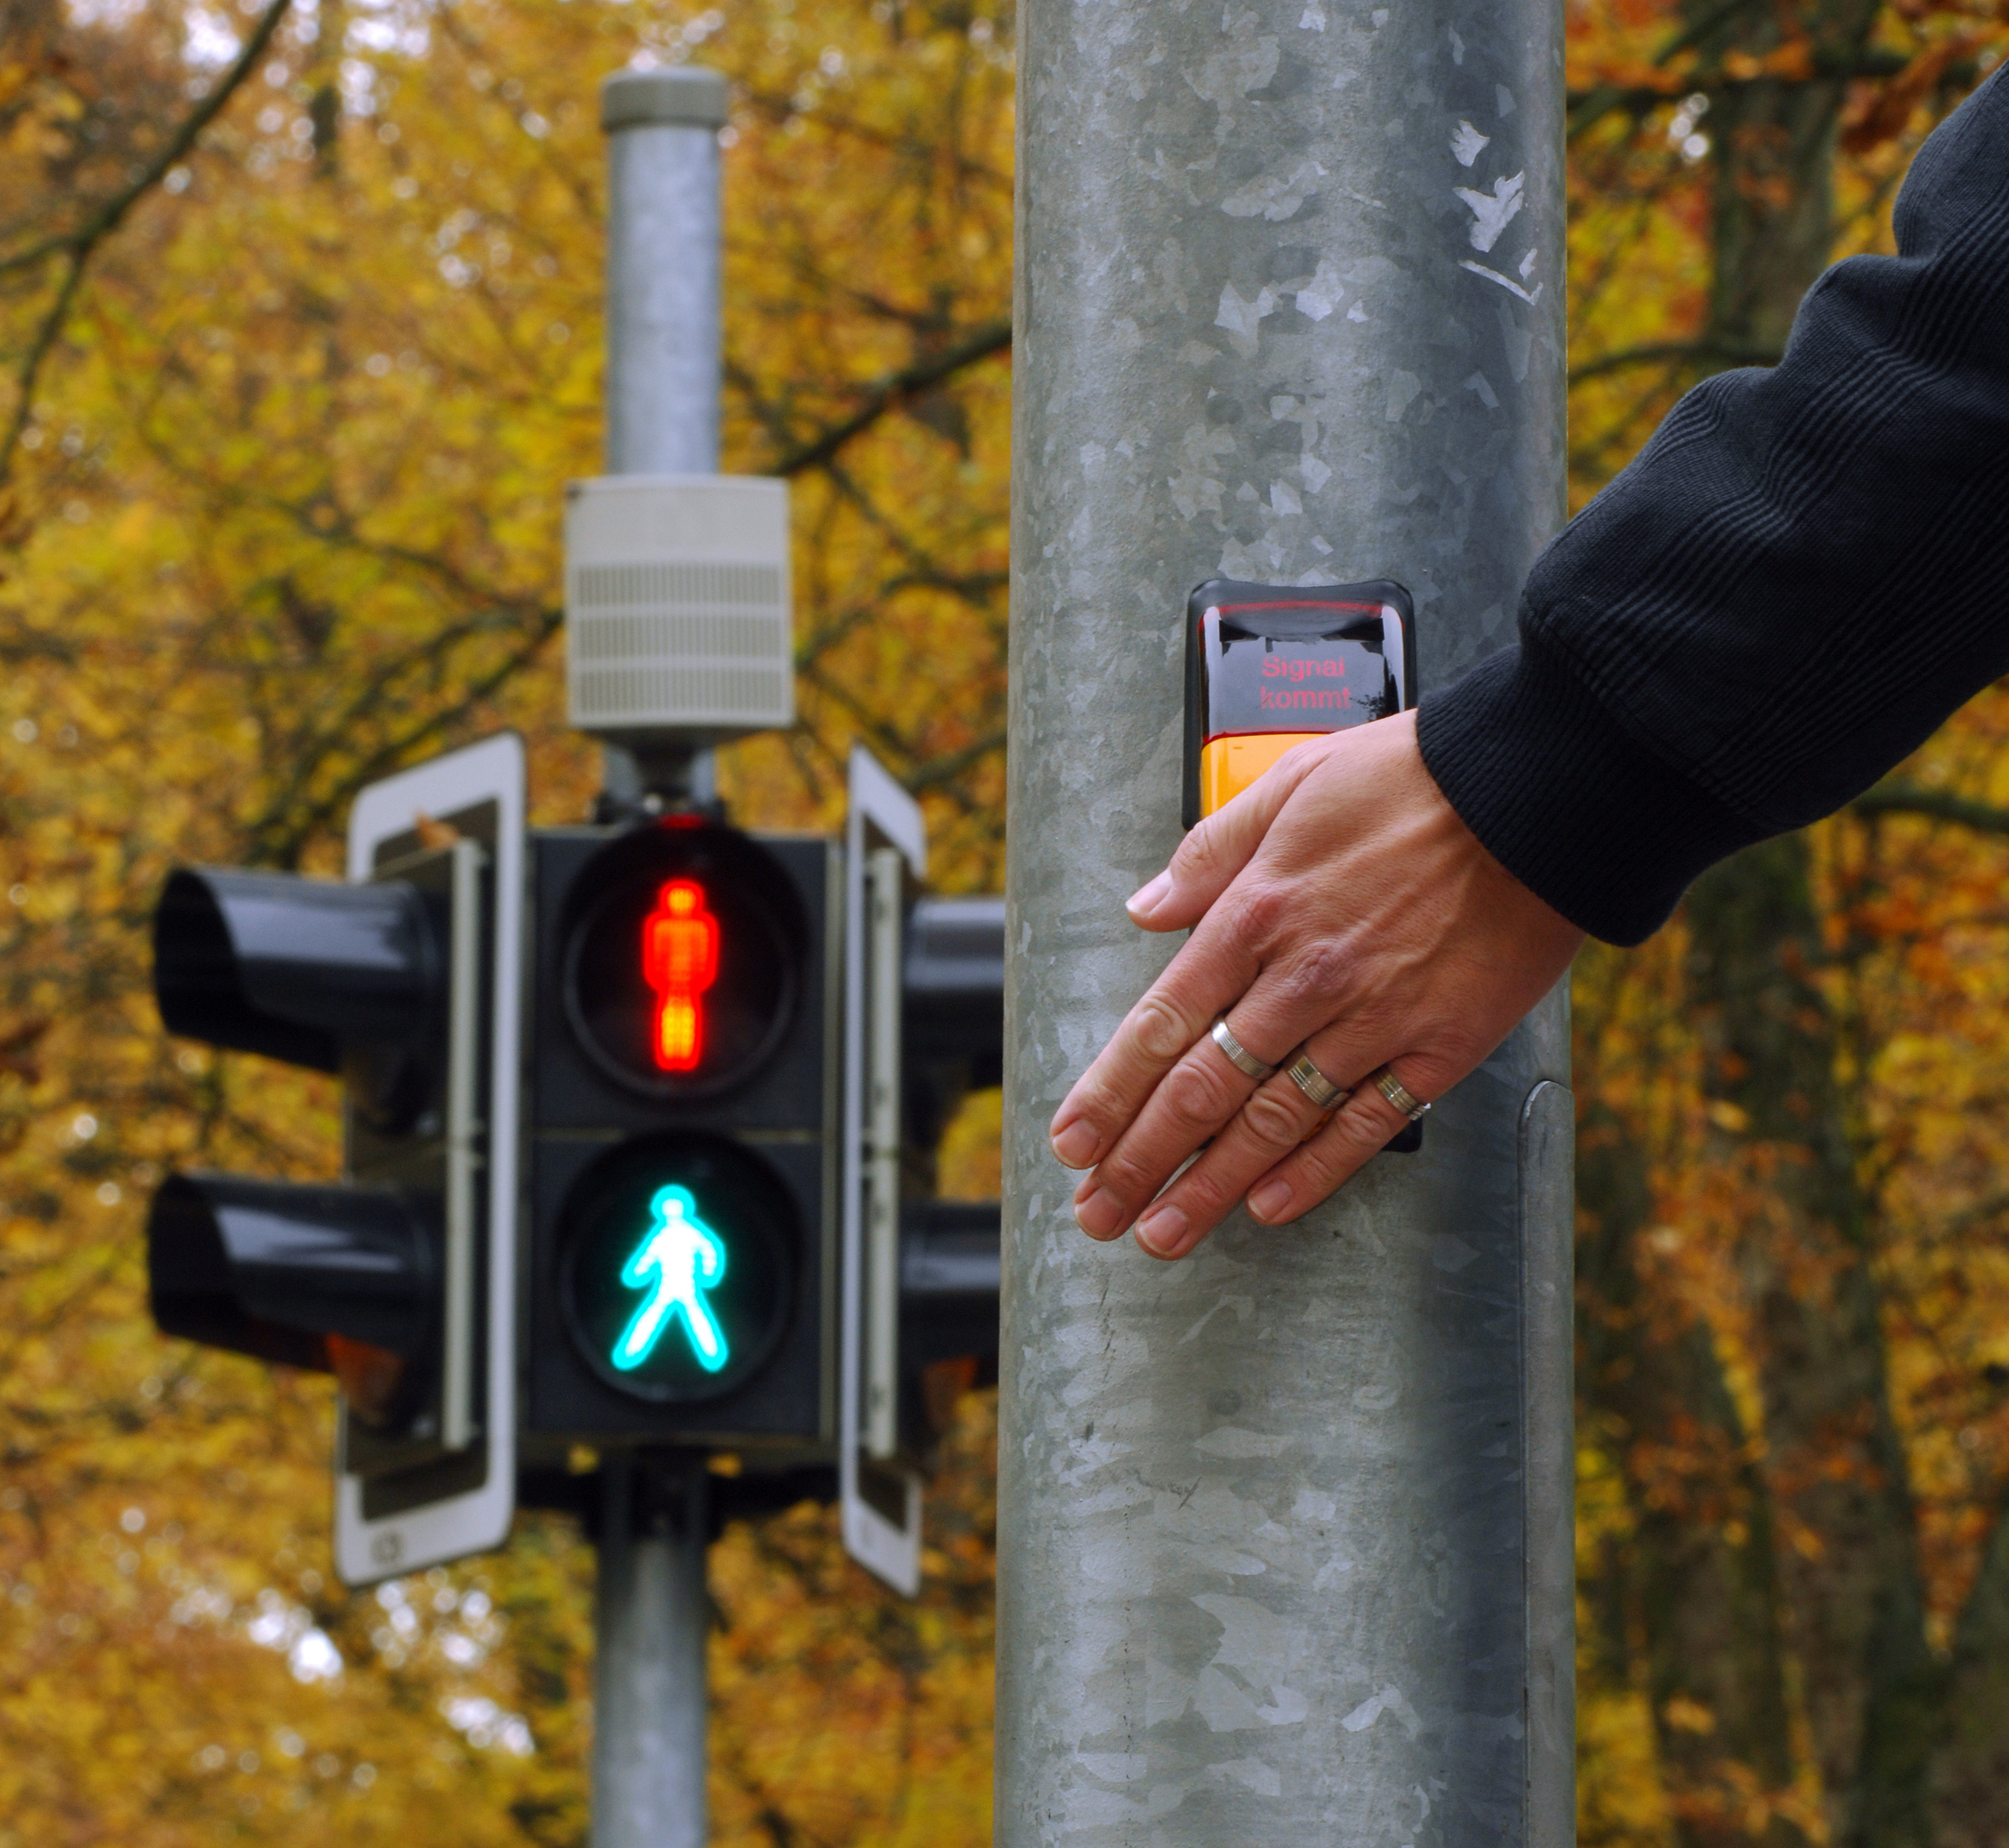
x,y
679,97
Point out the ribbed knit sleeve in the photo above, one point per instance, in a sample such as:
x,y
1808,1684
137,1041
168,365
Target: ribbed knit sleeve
x,y
1799,577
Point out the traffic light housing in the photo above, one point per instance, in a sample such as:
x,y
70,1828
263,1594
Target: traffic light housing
x,y
682,1154
305,971
342,1280
354,979
952,1018
714,1260
952,1045
399,1281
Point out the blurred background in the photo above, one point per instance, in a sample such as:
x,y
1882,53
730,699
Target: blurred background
x,y
299,338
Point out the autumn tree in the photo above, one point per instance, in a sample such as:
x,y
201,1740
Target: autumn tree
x,y
1761,1576
299,324
299,341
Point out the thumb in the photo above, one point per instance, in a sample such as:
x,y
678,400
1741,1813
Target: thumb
x,y
1218,847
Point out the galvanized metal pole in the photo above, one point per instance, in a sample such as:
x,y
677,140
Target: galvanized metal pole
x,y
651,1612
662,317
649,1620
1284,1552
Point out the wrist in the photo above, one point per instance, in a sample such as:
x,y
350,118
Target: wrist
x,y
1566,800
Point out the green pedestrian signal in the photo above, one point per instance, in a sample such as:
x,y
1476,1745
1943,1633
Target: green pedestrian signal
x,y
680,1259
678,1266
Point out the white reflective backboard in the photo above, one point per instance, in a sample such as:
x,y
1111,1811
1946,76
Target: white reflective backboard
x,y
464,1504
879,1498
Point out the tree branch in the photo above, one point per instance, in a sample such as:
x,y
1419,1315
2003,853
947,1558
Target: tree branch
x,y
31,368
79,244
109,215
1587,108
1694,36
1937,805
936,771
1591,107
290,820
889,393
1727,351
780,108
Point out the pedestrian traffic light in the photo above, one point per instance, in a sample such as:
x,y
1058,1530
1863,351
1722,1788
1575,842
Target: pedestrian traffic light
x,y
682,1173
714,1259
950,1269
400,1280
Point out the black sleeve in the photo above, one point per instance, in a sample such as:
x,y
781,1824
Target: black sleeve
x,y
1799,578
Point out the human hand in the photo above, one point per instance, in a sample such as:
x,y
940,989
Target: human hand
x,y
1338,905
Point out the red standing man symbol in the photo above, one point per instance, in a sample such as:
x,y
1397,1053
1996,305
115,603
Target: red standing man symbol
x,y
680,961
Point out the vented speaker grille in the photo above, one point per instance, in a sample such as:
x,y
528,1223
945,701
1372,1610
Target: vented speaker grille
x,y
648,634
601,586
701,645
697,692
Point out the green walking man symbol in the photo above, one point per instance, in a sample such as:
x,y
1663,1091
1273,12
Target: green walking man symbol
x,y
678,1259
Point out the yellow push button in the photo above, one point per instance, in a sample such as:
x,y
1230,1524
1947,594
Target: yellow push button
x,y
1228,764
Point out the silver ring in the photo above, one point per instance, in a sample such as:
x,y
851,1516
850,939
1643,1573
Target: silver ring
x,y
1390,1088
1239,1056
1315,1084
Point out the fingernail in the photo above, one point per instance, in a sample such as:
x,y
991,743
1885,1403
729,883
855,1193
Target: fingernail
x,y
1077,1144
1100,1215
1147,898
1269,1201
1162,1231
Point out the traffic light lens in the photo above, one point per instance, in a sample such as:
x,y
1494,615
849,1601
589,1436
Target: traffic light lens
x,y
680,962
679,1263
379,1385
678,1267
682,952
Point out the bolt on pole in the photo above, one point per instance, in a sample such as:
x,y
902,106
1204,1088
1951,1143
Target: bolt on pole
x,y
662,401
1285,1529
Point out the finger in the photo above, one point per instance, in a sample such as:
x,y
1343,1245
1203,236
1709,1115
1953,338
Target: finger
x,y
1287,1003
1277,1118
1216,964
1359,1133
1202,1092
1217,847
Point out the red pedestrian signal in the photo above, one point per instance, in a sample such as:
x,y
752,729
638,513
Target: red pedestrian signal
x,y
679,962
681,957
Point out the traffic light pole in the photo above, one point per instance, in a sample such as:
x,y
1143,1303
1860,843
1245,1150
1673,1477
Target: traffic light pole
x,y
1284,1549
650,1613
662,321
649,1683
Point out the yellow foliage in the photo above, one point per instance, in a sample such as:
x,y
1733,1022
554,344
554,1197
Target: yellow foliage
x,y
281,460
285,516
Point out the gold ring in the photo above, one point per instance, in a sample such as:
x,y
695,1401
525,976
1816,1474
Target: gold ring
x,y
1239,1056
1391,1088
1315,1084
